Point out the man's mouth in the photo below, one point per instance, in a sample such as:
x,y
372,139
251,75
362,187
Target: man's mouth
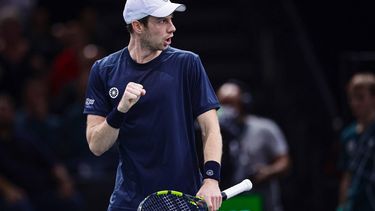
x,y
168,41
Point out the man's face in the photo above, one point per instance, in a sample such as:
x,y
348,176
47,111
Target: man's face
x,y
158,33
229,95
361,102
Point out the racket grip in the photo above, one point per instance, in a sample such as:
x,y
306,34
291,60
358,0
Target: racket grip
x,y
245,185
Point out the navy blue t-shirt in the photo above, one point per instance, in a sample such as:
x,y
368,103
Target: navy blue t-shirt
x,y
156,140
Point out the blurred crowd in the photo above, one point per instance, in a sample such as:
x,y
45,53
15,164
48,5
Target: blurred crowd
x,y
45,163
44,68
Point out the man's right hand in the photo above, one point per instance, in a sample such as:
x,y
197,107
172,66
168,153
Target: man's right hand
x,y
133,92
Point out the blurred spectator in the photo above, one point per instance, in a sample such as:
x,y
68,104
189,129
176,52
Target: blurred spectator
x,y
34,118
43,45
357,187
24,7
89,172
256,146
31,179
89,22
66,66
14,53
74,150
76,58
63,11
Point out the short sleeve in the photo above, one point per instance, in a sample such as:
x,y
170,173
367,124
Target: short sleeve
x,y
347,146
203,95
277,143
96,101
343,157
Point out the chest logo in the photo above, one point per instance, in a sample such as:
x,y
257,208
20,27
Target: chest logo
x,y
113,92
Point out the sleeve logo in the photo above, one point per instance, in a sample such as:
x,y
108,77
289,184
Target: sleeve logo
x,y
89,102
113,92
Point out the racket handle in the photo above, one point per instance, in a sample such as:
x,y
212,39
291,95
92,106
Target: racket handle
x,y
245,185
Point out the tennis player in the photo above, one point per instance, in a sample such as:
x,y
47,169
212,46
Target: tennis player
x,y
146,98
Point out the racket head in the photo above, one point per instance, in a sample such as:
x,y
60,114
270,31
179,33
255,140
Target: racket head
x,y
172,200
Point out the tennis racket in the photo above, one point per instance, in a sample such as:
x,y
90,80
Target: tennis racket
x,y
177,201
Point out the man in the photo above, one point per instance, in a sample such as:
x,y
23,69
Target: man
x,y
357,185
256,146
146,98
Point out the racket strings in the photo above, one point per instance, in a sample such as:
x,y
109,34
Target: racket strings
x,y
169,202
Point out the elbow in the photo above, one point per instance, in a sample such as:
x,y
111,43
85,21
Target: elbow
x,y
93,144
287,165
95,149
96,152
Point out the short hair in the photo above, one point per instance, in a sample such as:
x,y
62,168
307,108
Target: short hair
x,y
144,21
363,80
246,98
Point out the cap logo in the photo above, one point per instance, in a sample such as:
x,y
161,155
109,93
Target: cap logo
x,y
113,92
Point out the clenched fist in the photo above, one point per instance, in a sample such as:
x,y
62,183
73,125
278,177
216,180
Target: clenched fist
x,y
133,92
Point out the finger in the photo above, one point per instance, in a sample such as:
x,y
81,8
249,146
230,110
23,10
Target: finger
x,y
139,87
130,95
220,201
136,85
215,203
135,91
209,204
207,200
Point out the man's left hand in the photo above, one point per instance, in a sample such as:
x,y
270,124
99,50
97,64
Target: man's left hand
x,y
211,193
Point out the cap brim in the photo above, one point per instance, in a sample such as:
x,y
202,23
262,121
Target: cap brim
x,y
168,9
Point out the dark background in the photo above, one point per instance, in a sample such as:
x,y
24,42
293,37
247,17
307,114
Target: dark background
x,y
296,57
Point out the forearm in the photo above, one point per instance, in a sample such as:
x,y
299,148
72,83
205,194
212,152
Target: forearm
x,y
212,145
277,168
344,185
211,137
101,137
212,150
280,166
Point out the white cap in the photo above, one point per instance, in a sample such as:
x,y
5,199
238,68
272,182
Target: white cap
x,y
138,9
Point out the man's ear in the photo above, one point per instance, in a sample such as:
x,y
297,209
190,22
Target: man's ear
x,y
137,26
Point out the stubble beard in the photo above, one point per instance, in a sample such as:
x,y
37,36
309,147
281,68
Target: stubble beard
x,y
148,43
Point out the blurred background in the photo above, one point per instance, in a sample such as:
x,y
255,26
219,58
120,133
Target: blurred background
x,y
295,56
